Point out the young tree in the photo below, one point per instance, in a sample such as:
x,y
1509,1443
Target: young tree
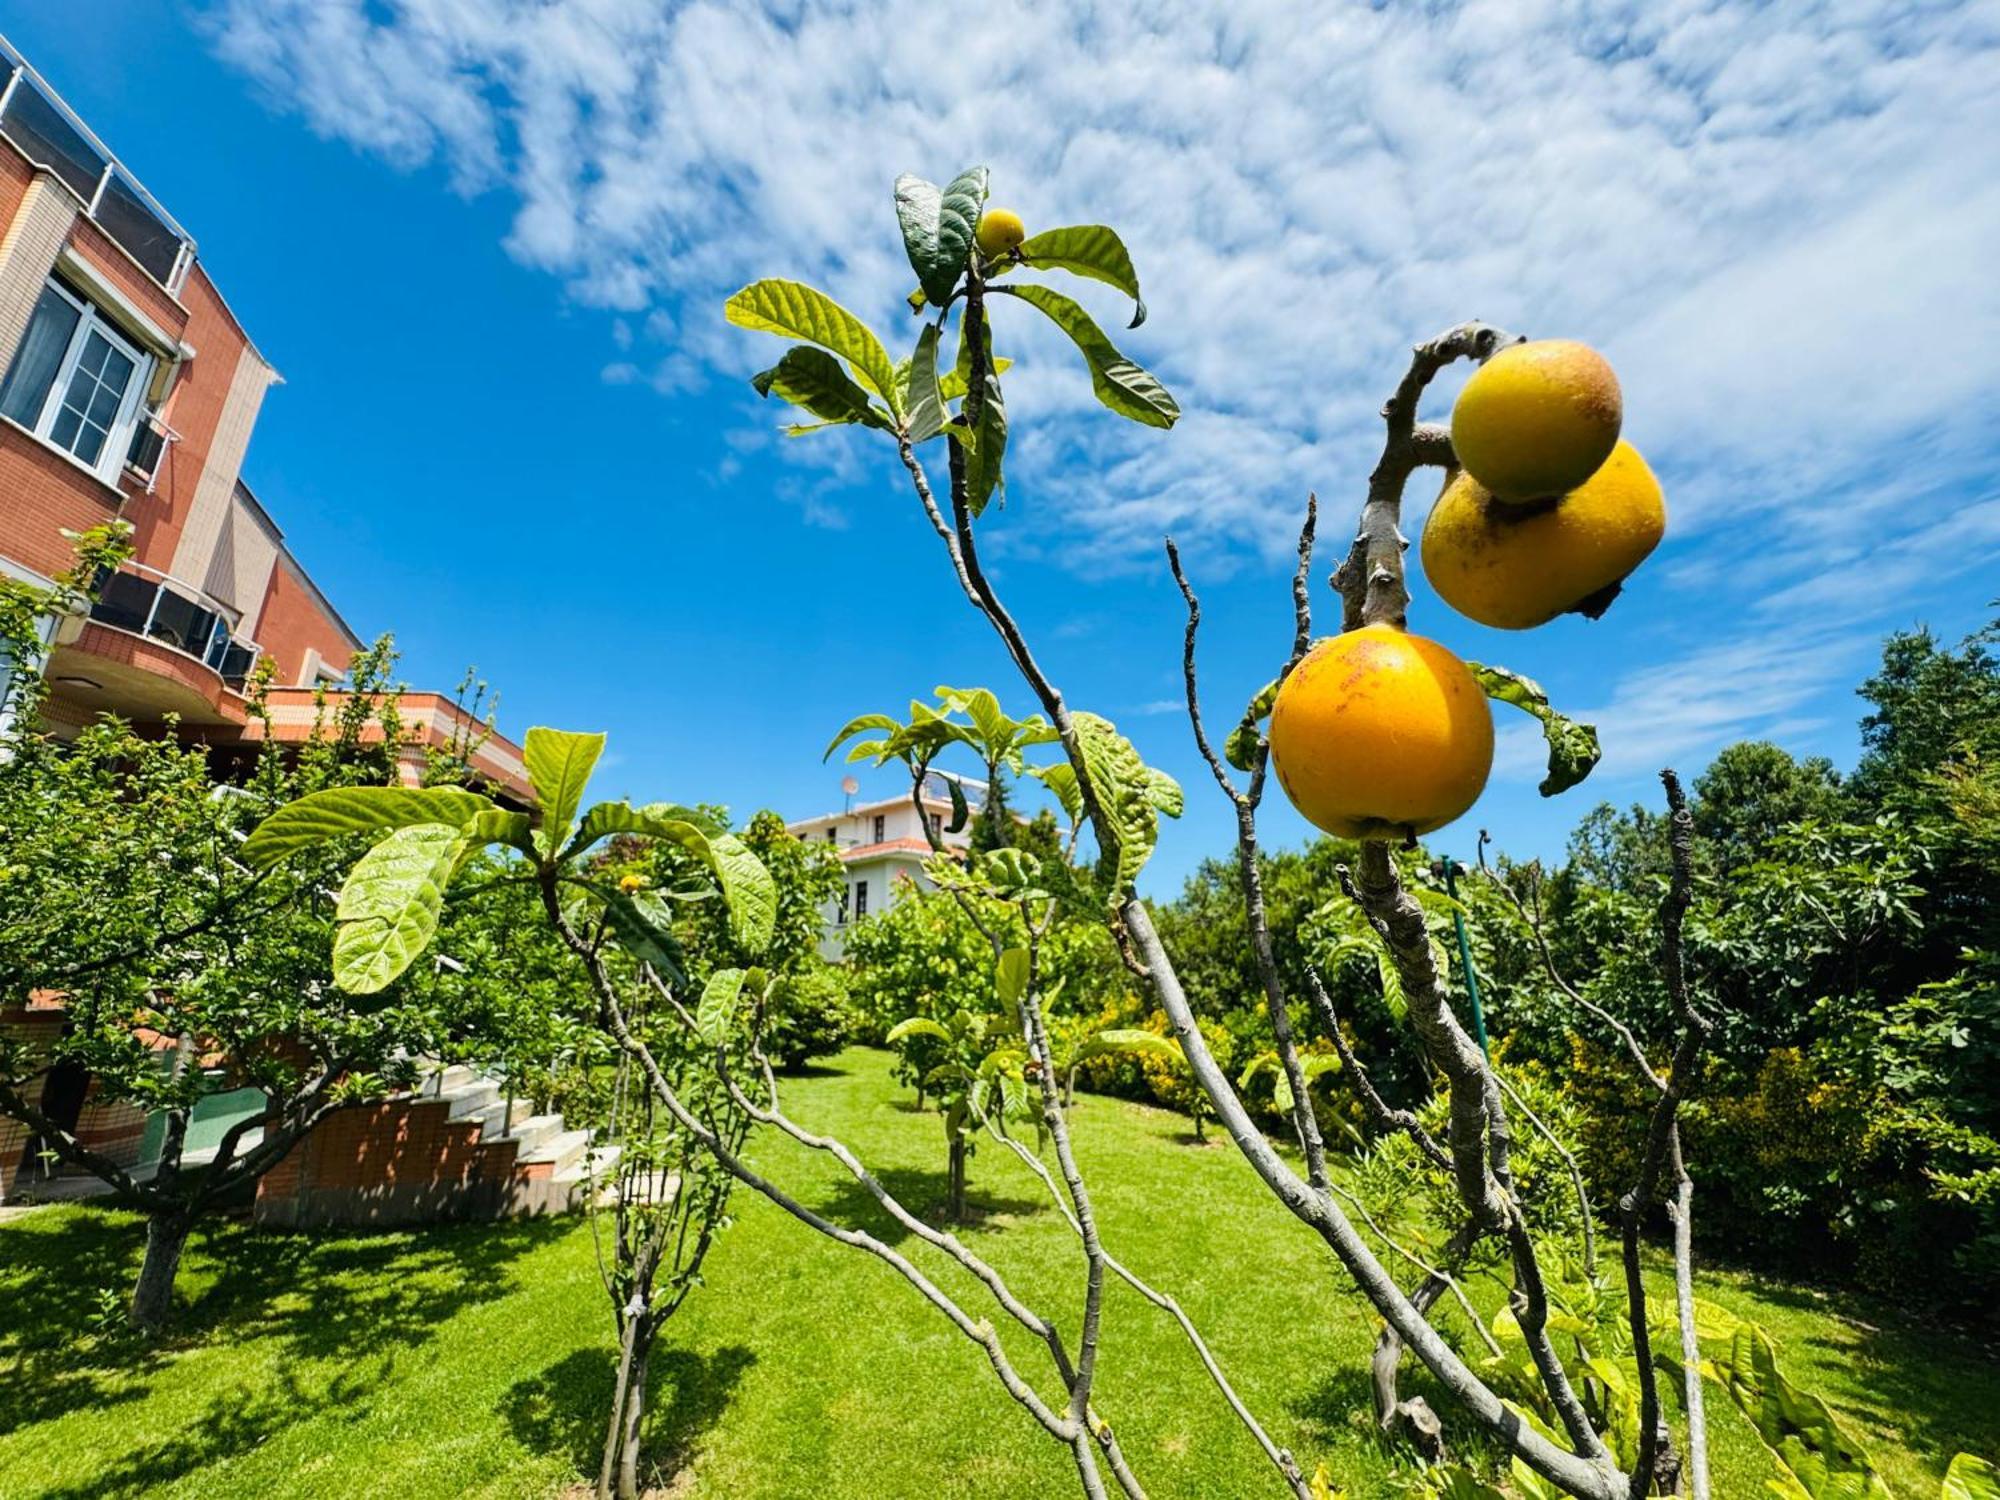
x,y
181,971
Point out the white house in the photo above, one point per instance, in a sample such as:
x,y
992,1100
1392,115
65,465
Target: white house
x,y
882,843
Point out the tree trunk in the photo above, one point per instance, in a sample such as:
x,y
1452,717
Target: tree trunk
x,y
1200,1115
153,1297
955,1189
635,1411
615,1428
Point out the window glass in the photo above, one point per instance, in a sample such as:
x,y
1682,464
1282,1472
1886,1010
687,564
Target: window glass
x,y
39,129
90,405
38,358
860,899
128,220
881,827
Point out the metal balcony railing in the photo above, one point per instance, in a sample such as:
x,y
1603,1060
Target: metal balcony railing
x,y
160,607
51,134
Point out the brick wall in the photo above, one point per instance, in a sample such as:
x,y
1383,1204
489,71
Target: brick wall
x,y
398,1161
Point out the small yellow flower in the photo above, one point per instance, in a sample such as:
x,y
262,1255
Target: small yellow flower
x,y
630,883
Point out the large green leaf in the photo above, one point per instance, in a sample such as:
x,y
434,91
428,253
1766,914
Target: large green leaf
x,y
1060,779
1092,250
1970,1478
716,1014
1573,748
499,826
1013,975
388,907
799,311
985,459
608,818
1130,794
815,380
1129,1041
916,1026
1818,1458
748,888
1121,385
918,205
924,418
559,765
959,209
319,816
644,928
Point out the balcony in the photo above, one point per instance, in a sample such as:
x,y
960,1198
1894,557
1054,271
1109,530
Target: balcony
x,y
149,603
50,134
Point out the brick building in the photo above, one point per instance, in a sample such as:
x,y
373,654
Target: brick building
x,y
130,391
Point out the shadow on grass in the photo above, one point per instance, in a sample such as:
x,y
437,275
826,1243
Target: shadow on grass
x,y
923,1194
64,1283
564,1409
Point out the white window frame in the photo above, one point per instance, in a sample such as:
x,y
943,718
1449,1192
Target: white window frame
x,y
118,441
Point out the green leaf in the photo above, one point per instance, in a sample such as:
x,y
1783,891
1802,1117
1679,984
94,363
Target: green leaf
x,y
925,418
961,813
1060,779
319,816
388,907
798,311
1012,974
1240,749
815,380
1120,384
963,201
1092,250
1573,748
987,452
499,826
1815,1453
1013,874
654,822
1970,1478
559,764
916,1026
855,725
748,888
644,928
918,205
1130,794
716,1014
1127,1040
953,383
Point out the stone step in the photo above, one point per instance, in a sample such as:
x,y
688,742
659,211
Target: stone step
x,y
471,1098
491,1120
444,1080
596,1173
535,1130
559,1152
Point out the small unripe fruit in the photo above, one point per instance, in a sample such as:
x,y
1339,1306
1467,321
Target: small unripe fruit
x,y
1537,419
1000,230
1380,734
1515,567
630,883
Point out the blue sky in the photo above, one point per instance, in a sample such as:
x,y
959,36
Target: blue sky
x,y
486,245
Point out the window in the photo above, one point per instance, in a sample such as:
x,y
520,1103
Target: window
x,y
75,381
937,825
860,899
830,835
881,828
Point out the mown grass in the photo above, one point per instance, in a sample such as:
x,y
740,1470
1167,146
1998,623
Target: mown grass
x,y
476,1360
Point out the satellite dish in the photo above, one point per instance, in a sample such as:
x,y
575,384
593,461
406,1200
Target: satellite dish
x,y
849,785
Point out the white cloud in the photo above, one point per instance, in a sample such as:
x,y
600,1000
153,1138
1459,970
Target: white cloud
x,y
1777,220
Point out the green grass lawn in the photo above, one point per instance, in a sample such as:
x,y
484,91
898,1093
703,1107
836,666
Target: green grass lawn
x,y
476,1360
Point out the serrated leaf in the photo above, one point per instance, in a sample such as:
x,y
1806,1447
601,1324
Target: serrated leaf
x,y
644,928
815,380
559,765
1573,747
1240,749
1120,384
716,1014
1092,250
319,816
388,906
799,311
748,888
924,419
1130,794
